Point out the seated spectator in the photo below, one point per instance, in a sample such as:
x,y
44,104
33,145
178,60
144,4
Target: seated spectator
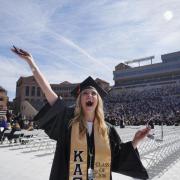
x,y
16,127
30,126
3,122
9,126
3,125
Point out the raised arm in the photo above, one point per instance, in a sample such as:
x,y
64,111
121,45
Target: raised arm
x,y
50,95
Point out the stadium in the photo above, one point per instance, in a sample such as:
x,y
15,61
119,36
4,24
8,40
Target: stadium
x,y
146,92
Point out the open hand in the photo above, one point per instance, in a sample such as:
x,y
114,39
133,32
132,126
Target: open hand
x,y
140,135
22,53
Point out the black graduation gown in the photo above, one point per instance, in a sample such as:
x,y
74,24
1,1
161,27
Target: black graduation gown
x,y
55,121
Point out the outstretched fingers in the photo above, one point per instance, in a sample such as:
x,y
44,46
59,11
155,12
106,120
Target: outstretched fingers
x,y
25,53
145,131
19,51
14,49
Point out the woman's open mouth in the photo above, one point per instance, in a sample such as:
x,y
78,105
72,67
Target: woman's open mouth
x,y
89,103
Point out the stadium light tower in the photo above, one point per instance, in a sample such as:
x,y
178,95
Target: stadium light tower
x,y
140,60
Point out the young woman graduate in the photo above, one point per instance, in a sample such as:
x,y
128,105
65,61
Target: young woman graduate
x,y
87,147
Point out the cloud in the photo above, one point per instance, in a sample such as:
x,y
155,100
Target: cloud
x,y
10,71
73,39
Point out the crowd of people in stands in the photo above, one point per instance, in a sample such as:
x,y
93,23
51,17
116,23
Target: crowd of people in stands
x,y
137,107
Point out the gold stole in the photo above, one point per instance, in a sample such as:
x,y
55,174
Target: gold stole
x,y
78,155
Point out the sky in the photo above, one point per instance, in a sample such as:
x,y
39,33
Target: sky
x,y
72,39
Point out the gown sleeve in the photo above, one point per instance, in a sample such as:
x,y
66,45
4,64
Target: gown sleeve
x,y
54,119
125,159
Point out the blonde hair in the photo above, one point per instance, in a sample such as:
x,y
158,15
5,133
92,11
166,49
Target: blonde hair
x,y
99,116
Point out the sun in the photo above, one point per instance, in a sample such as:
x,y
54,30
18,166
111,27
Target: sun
x,y
168,15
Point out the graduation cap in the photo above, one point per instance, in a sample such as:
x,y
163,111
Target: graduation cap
x,y
86,84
